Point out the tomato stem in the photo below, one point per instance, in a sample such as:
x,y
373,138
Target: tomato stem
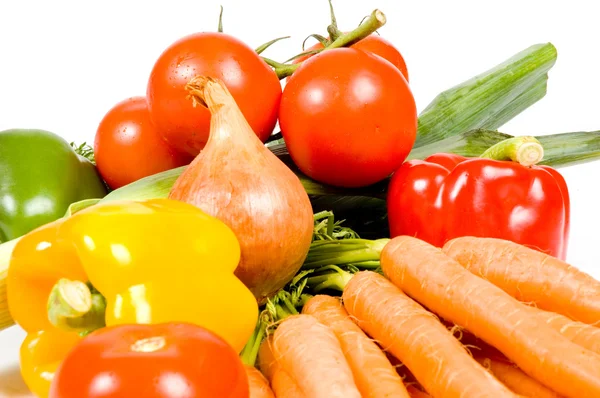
x,y
268,44
220,27
334,33
75,306
332,29
324,41
282,70
527,150
373,22
150,344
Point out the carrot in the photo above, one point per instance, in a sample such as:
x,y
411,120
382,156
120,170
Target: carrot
x,y
515,379
281,383
476,346
373,373
414,392
259,386
582,334
441,284
530,276
416,337
311,354
503,369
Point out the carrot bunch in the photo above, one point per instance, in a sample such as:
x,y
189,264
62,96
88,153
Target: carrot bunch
x,y
526,323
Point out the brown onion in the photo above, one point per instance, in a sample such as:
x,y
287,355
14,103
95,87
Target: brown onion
x,y
238,180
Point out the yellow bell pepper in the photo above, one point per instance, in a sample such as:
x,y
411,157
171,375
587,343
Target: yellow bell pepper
x,y
121,263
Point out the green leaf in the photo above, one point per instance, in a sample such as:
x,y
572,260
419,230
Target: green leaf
x,y
78,206
85,151
560,150
490,99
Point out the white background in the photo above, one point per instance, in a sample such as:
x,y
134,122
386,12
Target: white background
x,y
63,64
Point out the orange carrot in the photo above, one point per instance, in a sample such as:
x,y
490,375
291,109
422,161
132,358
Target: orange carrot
x,y
281,383
478,347
582,334
373,373
259,386
311,354
441,284
530,276
414,392
416,337
266,360
515,379
502,368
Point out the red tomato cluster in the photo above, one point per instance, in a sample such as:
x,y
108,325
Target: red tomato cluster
x,y
347,115
146,135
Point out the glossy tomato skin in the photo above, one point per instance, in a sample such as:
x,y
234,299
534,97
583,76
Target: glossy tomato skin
x,y
382,47
253,84
128,147
374,44
348,118
152,361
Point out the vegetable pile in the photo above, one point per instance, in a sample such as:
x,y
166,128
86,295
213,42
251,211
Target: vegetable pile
x,y
194,251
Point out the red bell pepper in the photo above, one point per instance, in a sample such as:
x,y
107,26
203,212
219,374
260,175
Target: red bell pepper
x,y
447,196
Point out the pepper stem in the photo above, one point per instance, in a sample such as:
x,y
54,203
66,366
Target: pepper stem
x,y
73,306
526,150
373,22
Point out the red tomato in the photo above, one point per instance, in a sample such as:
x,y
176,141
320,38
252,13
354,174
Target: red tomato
x,y
374,44
348,118
253,84
151,361
128,147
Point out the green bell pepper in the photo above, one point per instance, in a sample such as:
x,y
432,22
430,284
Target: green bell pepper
x,y
40,176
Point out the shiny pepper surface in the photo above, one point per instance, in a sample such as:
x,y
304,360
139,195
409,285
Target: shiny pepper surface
x,y
447,196
40,176
148,262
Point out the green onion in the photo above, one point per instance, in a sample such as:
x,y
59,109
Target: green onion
x,y
488,100
560,150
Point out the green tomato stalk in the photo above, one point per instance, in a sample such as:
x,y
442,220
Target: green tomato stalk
x,y
373,22
332,29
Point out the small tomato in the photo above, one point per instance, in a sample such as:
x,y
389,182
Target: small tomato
x,y
128,147
171,360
